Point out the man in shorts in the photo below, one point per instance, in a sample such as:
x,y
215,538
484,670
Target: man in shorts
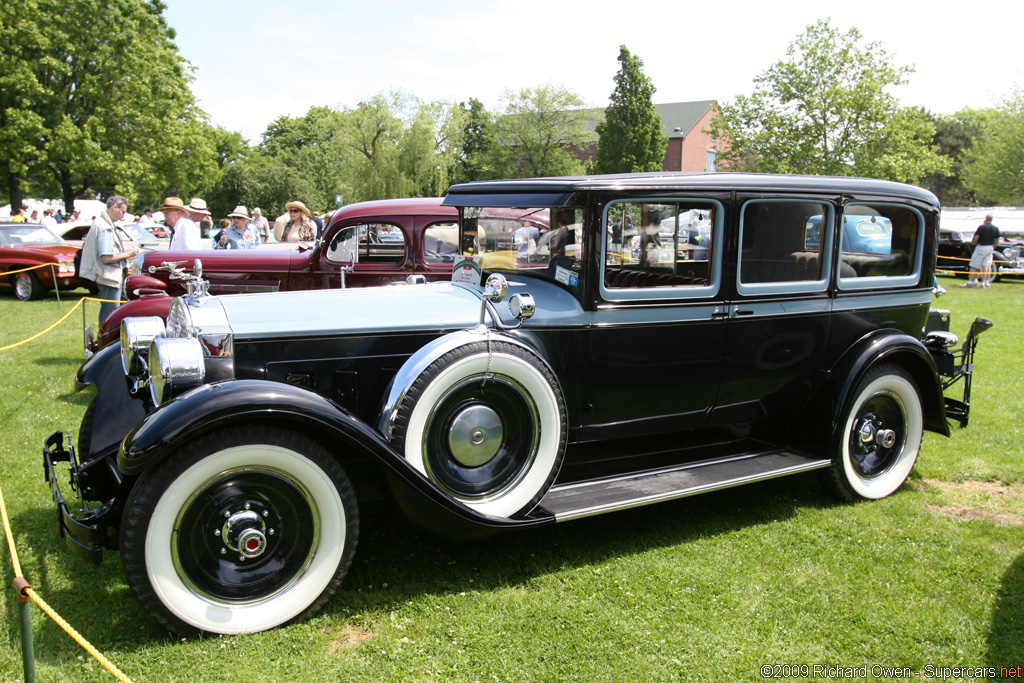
x,y
986,239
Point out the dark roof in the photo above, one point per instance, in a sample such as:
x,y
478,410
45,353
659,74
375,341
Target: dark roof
x,y
681,115
668,181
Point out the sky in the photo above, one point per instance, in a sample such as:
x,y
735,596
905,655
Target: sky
x,y
260,59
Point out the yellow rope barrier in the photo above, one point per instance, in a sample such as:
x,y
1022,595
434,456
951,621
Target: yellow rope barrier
x,y
40,334
30,593
24,270
63,318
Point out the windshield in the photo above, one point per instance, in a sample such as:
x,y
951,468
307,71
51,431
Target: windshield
x,y
27,234
537,240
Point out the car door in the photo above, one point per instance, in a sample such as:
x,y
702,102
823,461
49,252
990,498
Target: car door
x,y
659,327
368,251
779,309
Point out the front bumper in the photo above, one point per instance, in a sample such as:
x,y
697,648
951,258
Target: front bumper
x,y
83,528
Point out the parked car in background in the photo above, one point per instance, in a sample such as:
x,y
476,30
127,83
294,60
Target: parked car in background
x,y
365,244
24,245
954,252
135,235
230,449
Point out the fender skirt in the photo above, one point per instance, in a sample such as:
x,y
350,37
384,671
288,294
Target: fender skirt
x,y
212,406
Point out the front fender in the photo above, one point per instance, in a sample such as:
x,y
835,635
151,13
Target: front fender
x,y
114,410
211,406
110,329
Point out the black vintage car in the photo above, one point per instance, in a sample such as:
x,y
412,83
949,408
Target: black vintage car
x,y
229,451
955,249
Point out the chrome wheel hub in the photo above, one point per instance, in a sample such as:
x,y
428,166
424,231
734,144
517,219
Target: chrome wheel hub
x,y
475,435
245,533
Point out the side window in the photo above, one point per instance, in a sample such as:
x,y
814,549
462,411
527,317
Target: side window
x,y
660,246
368,243
783,246
880,245
440,243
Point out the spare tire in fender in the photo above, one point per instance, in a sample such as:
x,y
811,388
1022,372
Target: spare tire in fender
x,y
486,423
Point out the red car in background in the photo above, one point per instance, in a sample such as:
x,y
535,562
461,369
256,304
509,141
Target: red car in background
x,y
24,245
364,245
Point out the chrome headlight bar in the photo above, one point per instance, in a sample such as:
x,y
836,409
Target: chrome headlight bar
x,y
195,344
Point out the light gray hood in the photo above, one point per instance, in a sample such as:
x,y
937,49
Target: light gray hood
x,y
277,315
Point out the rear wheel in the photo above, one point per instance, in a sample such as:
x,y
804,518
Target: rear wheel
x,y
27,286
239,531
880,437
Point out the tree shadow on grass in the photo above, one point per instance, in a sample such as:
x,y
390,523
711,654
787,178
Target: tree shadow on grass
x,y
412,562
97,601
1006,634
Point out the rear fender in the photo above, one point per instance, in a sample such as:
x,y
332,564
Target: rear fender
x,y
903,350
212,406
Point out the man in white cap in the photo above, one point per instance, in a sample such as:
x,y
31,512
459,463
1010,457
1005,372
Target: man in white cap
x,y
260,225
186,232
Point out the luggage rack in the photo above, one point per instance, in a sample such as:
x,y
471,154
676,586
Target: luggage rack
x,y
954,365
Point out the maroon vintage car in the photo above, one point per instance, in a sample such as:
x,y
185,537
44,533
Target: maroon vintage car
x,y
24,245
365,244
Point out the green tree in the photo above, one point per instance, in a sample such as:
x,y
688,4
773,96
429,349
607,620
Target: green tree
x,y
955,136
265,182
826,109
537,132
994,168
630,139
313,146
88,99
471,163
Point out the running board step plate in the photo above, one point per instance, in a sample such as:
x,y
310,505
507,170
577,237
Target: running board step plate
x,y
582,499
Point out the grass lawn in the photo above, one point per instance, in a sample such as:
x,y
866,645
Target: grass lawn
x,y
710,588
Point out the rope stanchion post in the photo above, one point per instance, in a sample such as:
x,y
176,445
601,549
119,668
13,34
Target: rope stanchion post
x,y
56,286
28,654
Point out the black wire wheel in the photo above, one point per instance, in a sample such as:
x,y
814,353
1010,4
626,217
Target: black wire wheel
x,y
880,436
486,423
239,531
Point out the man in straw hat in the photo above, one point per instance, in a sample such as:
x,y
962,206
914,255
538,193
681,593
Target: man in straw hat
x,y
178,217
239,235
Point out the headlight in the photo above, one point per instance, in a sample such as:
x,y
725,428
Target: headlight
x,y
205,320
175,365
136,334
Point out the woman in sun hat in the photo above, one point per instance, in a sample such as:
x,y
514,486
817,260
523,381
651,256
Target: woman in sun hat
x,y
240,235
301,227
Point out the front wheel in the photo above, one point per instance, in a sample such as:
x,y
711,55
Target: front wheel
x,y
28,287
880,436
239,531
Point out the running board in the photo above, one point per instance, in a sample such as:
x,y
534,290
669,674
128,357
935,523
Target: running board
x,y
582,499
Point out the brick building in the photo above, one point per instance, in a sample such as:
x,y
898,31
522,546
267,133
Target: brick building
x,y
689,147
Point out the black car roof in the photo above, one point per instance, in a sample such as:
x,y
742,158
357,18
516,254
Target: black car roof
x,y
560,188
